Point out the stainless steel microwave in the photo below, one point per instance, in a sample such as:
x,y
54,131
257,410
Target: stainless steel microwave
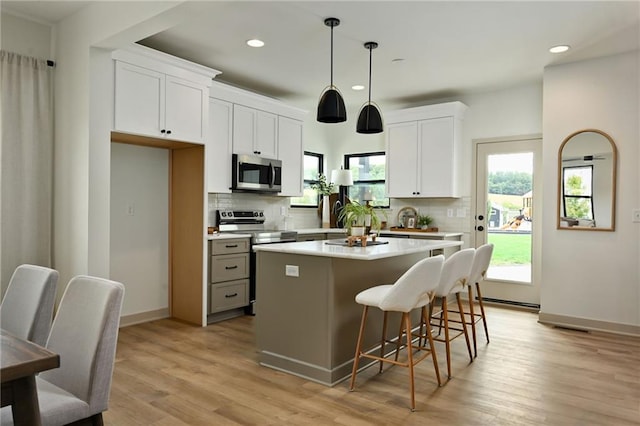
x,y
253,173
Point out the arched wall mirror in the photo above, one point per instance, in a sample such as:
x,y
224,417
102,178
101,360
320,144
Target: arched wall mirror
x,y
587,162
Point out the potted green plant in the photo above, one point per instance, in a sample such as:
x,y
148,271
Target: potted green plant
x,y
357,217
424,221
325,189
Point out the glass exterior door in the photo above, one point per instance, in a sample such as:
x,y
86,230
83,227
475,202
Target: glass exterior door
x,y
505,215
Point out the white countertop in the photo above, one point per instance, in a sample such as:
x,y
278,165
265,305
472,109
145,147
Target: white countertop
x,y
396,247
383,231
226,236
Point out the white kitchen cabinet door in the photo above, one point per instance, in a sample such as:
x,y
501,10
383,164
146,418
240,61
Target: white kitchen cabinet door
x,y
155,104
219,146
291,154
244,119
254,132
266,143
139,100
186,109
402,160
438,171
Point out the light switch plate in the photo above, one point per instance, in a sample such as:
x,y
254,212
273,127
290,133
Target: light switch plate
x,y
449,212
460,213
292,270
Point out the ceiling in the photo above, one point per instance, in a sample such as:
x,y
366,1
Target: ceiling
x,y
446,49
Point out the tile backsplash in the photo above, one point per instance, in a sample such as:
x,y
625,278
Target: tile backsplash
x,y
450,214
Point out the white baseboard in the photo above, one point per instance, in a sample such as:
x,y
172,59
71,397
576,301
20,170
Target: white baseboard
x,y
588,324
141,317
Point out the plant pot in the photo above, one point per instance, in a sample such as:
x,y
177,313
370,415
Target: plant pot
x,y
357,231
326,212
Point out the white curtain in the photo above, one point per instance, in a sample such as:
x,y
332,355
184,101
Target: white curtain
x,y
26,157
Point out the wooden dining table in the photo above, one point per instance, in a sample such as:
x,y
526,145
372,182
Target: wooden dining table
x,y
20,361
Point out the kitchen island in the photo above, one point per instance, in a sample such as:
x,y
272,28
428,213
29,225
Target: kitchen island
x,y
307,319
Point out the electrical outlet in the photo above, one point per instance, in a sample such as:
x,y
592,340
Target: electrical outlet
x,y
449,212
636,215
292,270
131,209
283,211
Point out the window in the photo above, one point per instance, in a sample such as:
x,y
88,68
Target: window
x,y
368,170
312,168
578,192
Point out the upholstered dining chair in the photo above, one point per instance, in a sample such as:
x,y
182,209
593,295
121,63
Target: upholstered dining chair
x,y
413,290
453,280
26,310
481,261
84,333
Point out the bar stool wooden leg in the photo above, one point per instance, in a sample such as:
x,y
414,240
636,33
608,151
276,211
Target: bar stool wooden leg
x,y
356,358
473,321
447,343
406,319
383,340
484,318
464,325
432,346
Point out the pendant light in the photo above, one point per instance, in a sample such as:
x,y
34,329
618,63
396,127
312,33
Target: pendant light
x,y
331,106
369,120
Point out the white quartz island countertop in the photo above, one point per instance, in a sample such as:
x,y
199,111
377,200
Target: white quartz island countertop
x,y
383,232
393,247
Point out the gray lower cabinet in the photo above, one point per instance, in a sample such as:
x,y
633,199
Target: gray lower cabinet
x,y
228,276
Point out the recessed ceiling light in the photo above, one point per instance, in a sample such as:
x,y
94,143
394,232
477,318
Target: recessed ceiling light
x,y
255,42
559,49
357,87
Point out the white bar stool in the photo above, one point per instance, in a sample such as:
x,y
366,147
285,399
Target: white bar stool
x,y
414,289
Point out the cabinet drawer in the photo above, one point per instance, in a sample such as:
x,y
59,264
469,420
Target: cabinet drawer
x,y
230,295
240,245
229,267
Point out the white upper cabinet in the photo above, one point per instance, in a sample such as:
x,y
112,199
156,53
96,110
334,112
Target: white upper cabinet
x,y
247,123
290,152
161,96
424,146
219,146
255,132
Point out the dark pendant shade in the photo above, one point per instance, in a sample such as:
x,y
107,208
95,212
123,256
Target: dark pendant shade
x,y
331,107
369,120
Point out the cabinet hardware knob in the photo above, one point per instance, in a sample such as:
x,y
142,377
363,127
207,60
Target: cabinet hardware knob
x,y
480,217
168,132
163,131
480,228
230,295
231,245
231,267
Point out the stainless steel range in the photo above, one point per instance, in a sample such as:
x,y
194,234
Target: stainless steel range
x,y
252,222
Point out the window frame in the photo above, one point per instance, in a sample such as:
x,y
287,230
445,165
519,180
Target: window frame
x,y
347,157
320,158
566,196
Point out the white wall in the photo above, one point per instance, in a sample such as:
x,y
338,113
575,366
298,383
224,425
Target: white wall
x,y
592,278
140,226
81,210
25,36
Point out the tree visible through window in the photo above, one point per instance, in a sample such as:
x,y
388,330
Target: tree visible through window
x,y
578,192
369,174
312,168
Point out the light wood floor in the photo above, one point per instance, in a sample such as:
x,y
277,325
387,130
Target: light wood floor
x,y
170,373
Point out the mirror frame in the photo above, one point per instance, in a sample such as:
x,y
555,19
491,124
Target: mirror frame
x,y
614,170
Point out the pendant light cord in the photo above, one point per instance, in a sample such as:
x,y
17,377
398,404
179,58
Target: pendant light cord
x,y
370,62
331,55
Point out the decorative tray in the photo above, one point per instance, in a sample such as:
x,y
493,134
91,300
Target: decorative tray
x,y
345,243
396,228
